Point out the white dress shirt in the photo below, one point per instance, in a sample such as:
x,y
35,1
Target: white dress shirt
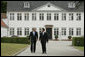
x,y
33,33
43,33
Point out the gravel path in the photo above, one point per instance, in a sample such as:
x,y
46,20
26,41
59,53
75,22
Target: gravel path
x,y
54,48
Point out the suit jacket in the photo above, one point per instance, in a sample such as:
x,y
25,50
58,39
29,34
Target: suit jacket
x,y
33,37
43,37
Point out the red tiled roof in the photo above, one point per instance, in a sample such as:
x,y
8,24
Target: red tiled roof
x,y
3,24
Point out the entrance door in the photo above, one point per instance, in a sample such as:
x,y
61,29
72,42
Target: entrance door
x,y
49,31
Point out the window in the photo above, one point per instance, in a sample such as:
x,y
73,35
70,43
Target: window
x,y
12,31
34,16
41,16
56,31
63,31
26,31
71,5
78,31
26,5
70,16
70,31
19,31
56,16
48,16
26,16
78,16
19,16
11,16
63,16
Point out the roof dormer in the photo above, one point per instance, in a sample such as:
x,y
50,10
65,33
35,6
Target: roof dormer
x,y
26,5
71,5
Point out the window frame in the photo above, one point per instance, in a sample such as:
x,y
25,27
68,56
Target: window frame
x,y
26,16
71,16
41,16
19,31
78,16
56,31
78,31
33,16
12,31
12,16
64,16
26,31
19,16
56,16
48,16
71,31
63,30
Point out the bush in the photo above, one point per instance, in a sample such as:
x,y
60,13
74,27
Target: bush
x,y
20,40
78,41
56,36
69,37
14,36
28,36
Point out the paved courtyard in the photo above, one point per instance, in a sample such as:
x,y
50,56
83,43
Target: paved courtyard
x,y
54,48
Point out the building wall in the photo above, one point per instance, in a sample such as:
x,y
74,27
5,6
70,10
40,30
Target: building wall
x,y
3,31
38,24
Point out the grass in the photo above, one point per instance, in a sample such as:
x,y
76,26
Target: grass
x,y
8,49
80,48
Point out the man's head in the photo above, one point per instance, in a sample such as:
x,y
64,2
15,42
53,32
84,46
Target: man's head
x,y
33,29
43,29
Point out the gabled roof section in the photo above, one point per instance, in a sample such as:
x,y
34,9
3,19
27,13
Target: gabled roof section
x,y
3,24
48,7
19,5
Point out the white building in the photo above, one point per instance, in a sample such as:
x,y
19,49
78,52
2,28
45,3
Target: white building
x,y
3,29
62,18
4,26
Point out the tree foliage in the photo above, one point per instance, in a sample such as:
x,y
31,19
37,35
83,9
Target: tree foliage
x,y
3,6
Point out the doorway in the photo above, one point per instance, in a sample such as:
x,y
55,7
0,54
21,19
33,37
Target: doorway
x,y
49,32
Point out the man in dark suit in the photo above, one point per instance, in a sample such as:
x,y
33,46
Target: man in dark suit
x,y
43,38
33,39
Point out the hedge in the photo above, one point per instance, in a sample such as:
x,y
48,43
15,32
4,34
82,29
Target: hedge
x,y
20,40
78,41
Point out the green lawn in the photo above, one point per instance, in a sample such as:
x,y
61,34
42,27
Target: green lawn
x,y
8,49
79,48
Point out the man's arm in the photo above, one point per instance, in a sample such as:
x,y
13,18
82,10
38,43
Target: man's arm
x,y
37,35
30,35
40,37
47,37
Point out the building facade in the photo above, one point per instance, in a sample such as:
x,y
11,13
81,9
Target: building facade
x,y
62,18
4,29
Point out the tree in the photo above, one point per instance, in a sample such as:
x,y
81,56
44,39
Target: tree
x,y
3,6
